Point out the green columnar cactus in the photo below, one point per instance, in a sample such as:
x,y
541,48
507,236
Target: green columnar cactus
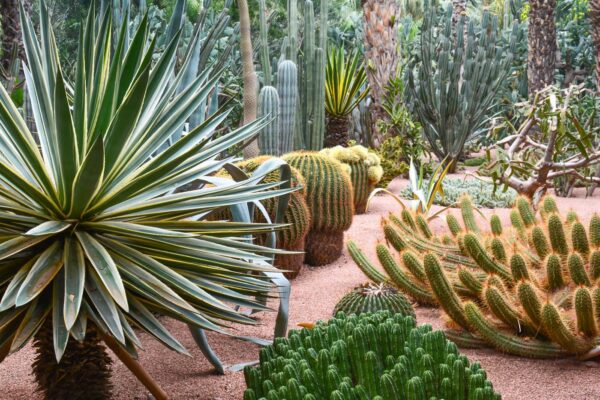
x,y
377,356
329,198
540,300
287,87
268,105
297,215
370,298
364,168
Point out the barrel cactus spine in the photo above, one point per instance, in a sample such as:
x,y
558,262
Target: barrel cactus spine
x,y
329,198
370,298
344,358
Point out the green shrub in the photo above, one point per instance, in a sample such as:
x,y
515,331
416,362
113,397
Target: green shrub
x,y
371,356
481,193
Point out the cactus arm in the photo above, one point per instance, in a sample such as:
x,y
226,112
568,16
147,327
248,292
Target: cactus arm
x,y
584,310
481,257
559,332
509,343
364,264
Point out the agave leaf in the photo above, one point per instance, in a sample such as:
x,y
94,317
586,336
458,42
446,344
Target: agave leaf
x,y
88,178
60,331
105,267
48,228
104,304
32,321
41,273
74,280
10,293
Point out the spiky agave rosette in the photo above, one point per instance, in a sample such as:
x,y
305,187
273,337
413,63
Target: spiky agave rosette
x,y
92,229
529,289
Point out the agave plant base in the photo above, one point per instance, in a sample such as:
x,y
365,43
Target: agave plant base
x,y
337,131
292,263
83,372
323,248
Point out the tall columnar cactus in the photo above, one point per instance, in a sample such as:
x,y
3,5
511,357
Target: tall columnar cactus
x,y
287,87
297,216
269,139
456,79
370,298
365,171
530,289
329,198
372,356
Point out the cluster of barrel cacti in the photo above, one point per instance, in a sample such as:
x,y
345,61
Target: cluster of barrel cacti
x,y
373,297
329,199
296,103
529,289
297,217
372,356
364,168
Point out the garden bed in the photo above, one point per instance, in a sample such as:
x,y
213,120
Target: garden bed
x,y
314,294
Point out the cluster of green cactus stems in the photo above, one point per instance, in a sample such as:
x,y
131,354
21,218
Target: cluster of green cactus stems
x,y
364,168
297,217
296,104
378,356
529,289
330,201
373,297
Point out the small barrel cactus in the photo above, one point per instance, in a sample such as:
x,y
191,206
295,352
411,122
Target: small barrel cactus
x,y
329,198
297,216
371,356
370,298
364,168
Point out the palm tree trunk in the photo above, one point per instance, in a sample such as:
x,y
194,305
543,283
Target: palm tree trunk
x,y
541,61
595,25
249,75
381,52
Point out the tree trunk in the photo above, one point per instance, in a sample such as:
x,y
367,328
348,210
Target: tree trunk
x,y
11,30
337,131
249,75
541,59
83,372
381,53
595,28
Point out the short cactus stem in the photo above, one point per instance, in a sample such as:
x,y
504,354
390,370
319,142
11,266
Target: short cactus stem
x,y
554,272
525,211
595,265
447,297
549,205
595,231
559,331
540,242
468,216
500,306
518,267
580,239
584,310
577,270
364,264
394,238
480,256
572,217
468,279
408,219
453,225
496,225
498,250
423,226
529,299
412,263
518,224
557,235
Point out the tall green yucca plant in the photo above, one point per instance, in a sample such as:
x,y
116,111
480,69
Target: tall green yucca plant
x,y
344,88
93,232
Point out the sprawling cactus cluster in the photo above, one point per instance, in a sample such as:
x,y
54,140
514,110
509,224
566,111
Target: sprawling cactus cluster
x,y
297,216
364,168
373,297
530,289
329,198
372,356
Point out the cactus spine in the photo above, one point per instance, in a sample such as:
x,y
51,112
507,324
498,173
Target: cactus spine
x,y
370,298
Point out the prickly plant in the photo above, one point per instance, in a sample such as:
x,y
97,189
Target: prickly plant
x,y
297,216
329,198
269,140
365,171
371,356
370,298
528,289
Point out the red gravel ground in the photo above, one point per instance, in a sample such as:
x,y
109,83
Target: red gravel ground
x,y
314,294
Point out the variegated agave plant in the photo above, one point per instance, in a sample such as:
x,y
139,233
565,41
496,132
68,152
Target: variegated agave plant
x,y
92,228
